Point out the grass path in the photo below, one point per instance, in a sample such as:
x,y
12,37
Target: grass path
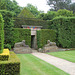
x,y
67,55
31,65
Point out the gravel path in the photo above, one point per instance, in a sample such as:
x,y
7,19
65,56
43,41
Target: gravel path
x,y
64,65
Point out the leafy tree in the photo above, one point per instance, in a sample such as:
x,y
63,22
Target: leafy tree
x,y
2,4
10,6
59,4
72,7
64,12
32,9
48,16
13,6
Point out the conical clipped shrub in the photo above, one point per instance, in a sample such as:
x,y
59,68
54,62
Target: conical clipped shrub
x,y
1,34
25,13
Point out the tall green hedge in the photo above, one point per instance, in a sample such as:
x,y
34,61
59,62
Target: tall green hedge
x,y
8,26
65,27
22,34
1,34
43,35
29,21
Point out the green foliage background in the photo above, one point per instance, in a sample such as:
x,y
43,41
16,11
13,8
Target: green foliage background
x,y
44,35
8,26
1,33
22,34
65,30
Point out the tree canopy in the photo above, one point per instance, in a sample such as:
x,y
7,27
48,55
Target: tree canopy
x,y
32,9
10,6
59,4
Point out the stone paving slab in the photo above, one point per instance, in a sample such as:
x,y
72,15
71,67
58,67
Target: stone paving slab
x,y
62,64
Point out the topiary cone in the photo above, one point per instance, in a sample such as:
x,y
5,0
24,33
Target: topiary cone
x,y
1,34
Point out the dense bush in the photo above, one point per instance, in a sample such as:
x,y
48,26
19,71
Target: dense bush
x,y
10,67
29,21
8,25
65,27
64,12
1,34
44,35
22,34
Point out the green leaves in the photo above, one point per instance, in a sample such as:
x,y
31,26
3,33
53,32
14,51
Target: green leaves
x,y
65,30
22,34
44,35
8,26
1,34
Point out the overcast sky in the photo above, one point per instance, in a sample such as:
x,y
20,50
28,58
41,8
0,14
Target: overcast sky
x,y
41,4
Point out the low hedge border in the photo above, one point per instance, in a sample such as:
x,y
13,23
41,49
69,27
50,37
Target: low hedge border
x,y
5,55
10,67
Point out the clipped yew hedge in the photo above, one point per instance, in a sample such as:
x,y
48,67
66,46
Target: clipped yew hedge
x,y
8,26
22,34
19,21
10,67
1,34
65,27
43,35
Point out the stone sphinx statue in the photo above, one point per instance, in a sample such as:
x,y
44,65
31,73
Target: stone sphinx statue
x,y
21,44
22,48
50,47
50,43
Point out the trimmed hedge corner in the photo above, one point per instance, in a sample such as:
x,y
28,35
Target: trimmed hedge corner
x,y
43,35
5,55
10,67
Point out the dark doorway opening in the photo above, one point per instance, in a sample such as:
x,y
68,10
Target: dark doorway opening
x,y
33,41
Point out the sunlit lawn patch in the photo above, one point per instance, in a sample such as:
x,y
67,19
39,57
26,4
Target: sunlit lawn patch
x,y
31,65
67,55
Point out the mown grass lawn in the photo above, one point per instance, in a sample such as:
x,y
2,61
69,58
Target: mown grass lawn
x,y
31,65
67,55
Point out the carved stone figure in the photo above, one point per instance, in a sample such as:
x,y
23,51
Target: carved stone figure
x,y
51,43
21,47
21,44
50,47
